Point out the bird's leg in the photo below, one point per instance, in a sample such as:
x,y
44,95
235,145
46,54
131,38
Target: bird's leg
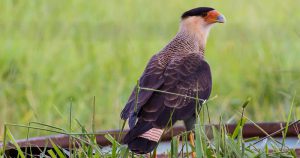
x,y
151,156
154,153
190,125
192,138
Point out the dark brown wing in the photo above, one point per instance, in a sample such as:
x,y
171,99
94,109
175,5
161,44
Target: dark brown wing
x,y
151,78
192,76
188,75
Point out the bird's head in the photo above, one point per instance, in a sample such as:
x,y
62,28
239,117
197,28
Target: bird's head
x,y
198,21
203,15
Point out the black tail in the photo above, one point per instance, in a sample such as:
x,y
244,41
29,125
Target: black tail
x,y
137,144
141,145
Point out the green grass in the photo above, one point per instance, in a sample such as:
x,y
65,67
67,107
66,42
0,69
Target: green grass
x,y
209,142
52,52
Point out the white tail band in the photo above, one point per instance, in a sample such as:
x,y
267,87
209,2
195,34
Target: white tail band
x,y
153,134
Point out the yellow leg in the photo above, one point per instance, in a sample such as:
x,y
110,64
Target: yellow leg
x,y
153,154
192,138
148,155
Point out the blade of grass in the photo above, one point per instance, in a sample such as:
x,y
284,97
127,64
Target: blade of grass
x,y
57,150
11,137
43,152
198,142
94,113
287,123
70,128
111,139
174,147
51,153
238,127
46,125
122,129
124,152
4,139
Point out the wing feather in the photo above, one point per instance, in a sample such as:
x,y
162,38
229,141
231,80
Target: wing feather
x,y
193,77
188,75
151,78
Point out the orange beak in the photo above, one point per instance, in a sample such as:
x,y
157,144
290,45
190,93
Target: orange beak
x,y
215,17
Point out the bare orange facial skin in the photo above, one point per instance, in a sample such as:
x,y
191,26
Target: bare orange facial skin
x,y
213,17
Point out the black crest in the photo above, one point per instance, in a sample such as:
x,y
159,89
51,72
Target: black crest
x,y
201,11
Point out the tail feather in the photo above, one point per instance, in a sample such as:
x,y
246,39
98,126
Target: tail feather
x,y
140,128
143,138
142,145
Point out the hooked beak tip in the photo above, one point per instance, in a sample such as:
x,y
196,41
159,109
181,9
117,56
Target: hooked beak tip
x,y
221,19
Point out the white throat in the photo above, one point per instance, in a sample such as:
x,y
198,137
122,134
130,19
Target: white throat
x,y
197,28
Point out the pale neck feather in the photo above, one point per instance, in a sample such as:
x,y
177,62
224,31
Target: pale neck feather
x,y
197,28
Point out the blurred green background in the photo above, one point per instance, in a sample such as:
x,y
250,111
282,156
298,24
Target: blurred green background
x,y
56,52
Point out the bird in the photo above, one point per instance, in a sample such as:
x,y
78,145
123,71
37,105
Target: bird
x,y
174,75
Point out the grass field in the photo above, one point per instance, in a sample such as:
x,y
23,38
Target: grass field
x,y
55,52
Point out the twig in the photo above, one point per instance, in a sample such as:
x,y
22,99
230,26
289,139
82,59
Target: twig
x,y
155,90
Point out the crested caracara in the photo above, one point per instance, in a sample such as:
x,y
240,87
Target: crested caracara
x,y
179,68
